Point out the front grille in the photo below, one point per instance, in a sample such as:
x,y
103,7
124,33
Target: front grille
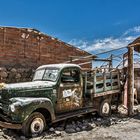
x,y
4,116
0,94
4,106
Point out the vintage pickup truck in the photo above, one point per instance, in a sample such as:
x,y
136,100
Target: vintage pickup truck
x,y
57,92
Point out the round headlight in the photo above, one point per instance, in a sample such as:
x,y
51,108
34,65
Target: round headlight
x,y
12,108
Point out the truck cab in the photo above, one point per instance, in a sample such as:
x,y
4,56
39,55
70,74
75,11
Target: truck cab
x,y
68,85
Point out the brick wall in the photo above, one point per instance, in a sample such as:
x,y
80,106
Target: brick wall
x,y
23,50
20,47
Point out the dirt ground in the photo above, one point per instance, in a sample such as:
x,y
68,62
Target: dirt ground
x,y
90,127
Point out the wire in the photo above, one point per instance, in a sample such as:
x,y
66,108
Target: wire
x,y
111,50
89,56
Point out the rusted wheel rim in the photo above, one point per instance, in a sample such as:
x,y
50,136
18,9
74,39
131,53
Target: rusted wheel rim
x,y
106,108
37,126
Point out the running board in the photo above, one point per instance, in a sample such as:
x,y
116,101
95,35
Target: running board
x,y
75,113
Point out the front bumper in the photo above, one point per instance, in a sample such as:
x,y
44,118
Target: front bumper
x,y
10,125
6,122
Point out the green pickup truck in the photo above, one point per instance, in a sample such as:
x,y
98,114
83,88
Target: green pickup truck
x,y
57,92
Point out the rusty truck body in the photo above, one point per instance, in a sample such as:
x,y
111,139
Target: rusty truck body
x,y
57,92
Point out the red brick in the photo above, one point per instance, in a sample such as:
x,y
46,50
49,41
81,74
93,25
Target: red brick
x,y
30,52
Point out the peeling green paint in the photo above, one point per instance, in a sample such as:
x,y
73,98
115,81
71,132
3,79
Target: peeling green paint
x,y
19,100
24,98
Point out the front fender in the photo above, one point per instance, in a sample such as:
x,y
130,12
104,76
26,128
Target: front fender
x,y
21,108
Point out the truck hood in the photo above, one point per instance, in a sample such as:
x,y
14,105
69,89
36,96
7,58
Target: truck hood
x,y
29,85
27,89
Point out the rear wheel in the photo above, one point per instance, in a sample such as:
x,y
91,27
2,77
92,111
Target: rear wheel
x,y
34,125
105,108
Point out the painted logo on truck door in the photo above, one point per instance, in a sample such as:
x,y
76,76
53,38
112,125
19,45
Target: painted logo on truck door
x,y
74,95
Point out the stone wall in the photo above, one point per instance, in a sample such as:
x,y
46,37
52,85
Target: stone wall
x,y
14,75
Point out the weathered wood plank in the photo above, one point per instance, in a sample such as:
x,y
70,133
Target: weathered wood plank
x,y
130,81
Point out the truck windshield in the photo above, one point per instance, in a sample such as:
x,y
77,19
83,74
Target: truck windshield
x,y
46,75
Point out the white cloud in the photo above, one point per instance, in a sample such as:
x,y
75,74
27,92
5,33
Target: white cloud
x,y
133,30
109,43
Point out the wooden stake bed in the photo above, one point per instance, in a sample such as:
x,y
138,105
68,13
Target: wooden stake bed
x,y
98,83
106,93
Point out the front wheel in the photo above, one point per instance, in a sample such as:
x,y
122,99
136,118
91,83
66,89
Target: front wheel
x,y
105,108
34,125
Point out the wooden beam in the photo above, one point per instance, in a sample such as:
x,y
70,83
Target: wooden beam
x,y
100,59
136,45
110,62
130,82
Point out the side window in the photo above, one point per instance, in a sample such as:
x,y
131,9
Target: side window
x,y
70,76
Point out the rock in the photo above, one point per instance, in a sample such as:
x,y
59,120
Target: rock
x,y
94,118
70,130
122,110
34,135
93,125
113,120
106,122
3,74
91,120
22,138
85,123
79,123
78,129
112,123
13,70
18,76
84,127
119,121
68,126
14,75
4,129
60,128
98,123
89,127
58,133
3,69
73,123
99,119
51,129
124,119
20,70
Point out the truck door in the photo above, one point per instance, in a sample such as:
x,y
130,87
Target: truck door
x,y
70,90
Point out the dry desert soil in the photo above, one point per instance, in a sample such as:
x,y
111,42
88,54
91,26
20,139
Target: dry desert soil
x,y
89,127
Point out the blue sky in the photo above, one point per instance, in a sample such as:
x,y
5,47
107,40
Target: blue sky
x,y
92,25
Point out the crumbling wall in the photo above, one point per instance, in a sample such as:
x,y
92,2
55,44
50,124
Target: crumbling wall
x,y
22,50
21,47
